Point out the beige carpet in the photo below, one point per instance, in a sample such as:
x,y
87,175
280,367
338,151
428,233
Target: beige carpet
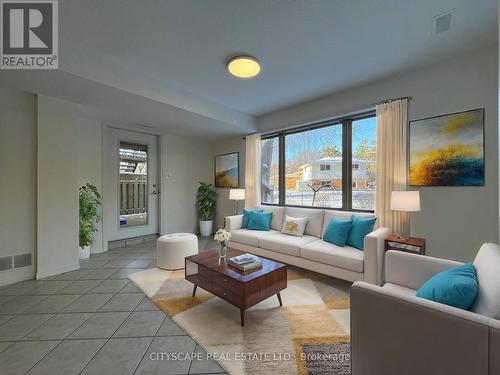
x,y
308,335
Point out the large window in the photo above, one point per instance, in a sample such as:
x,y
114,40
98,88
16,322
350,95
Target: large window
x,y
270,170
329,165
364,136
313,167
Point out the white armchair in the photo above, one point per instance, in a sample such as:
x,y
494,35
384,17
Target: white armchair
x,y
413,335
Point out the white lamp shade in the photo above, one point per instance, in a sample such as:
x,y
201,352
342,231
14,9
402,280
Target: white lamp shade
x,y
405,201
237,194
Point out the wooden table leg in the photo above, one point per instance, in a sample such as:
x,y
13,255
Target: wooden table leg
x,y
194,289
279,299
242,317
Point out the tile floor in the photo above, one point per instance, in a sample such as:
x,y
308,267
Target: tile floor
x,y
93,321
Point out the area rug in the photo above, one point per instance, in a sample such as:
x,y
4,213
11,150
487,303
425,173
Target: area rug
x,y
308,335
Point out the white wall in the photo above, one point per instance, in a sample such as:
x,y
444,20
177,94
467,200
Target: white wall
x,y
184,162
57,173
225,207
454,220
66,151
17,180
89,165
48,154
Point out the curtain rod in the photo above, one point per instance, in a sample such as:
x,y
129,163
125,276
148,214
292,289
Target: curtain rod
x,y
393,99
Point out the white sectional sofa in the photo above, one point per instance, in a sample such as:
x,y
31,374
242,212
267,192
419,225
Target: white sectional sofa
x,y
310,251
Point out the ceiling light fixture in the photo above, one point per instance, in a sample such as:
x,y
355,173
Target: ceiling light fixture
x,y
243,67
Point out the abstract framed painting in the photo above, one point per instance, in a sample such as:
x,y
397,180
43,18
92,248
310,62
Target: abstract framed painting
x,y
448,150
227,171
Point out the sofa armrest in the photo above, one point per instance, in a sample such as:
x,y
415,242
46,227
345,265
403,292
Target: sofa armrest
x,y
414,336
233,222
412,270
374,255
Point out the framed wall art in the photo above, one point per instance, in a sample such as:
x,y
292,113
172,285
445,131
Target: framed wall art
x,y
227,170
448,150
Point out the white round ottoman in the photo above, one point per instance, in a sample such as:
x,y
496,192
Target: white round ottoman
x,y
171,249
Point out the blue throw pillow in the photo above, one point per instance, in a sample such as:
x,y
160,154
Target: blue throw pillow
x,y
456,287
337,231
247,214
260,220
360,228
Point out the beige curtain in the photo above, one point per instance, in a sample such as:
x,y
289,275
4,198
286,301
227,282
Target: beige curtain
x,y
392,125
252,171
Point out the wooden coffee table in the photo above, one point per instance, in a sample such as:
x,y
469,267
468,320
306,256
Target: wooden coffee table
x,y
207,271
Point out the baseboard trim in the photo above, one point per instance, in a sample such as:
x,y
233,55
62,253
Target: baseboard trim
x,y
17,275
131,241
42,275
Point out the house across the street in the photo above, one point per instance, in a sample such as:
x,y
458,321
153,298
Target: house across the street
x,y
327,172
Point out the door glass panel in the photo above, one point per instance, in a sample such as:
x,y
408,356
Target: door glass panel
x,y
133,189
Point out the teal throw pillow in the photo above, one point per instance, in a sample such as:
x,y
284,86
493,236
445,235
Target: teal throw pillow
x,y
260,221
456,287
337,231
247,214
360,228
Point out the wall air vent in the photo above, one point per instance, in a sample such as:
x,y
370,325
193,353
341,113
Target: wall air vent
x,y
442,22
5,263
22,260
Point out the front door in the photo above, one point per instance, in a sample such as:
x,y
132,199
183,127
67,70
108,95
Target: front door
x,y
131,184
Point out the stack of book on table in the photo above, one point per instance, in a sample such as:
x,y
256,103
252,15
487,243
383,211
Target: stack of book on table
x,y
245,262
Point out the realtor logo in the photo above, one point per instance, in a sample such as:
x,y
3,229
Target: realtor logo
x,y
29,34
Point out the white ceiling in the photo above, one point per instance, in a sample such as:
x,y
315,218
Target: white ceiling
x,y
121,107
173,52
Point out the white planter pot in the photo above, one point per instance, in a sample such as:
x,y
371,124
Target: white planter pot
x,y
206,227
84,252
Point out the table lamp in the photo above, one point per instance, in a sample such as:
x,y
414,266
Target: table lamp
x,y
405,201
236,195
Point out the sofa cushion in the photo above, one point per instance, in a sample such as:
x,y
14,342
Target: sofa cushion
x,y
487,263
246,216
360,228
342,215
260,221
314,219
249,237
455,287
284,243
337,232
278,215
346,257
294,226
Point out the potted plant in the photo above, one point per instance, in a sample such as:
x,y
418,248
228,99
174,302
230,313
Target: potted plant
x,y
205,204
89,201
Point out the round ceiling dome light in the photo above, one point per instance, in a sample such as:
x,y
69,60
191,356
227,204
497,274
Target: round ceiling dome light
x,y
243,67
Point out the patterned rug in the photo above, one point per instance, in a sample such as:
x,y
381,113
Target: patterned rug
x,y
308,335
